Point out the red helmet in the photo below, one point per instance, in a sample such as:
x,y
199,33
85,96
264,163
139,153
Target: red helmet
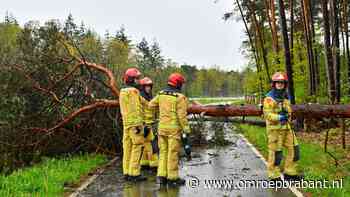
x,y
176,80
146,81
131,73
279,77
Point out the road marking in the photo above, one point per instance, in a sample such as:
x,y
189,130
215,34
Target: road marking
x,y
91,179
294,190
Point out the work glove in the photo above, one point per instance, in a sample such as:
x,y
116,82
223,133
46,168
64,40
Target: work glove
x,y
187,145
146,131
283,118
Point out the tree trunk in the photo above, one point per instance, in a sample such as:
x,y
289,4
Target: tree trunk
x,y
269,20
258,67
289,68
342,32
291,4
309,57
300,120
271,16
251,8
274,26
308,111
311,38
315,53
336,48
328,52
309,44
346,30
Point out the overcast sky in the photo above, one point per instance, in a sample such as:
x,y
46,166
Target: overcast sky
x,y
188,31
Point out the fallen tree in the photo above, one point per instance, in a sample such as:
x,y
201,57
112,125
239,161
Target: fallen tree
x,y
309,111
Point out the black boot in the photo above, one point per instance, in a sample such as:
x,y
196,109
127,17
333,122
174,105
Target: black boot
x,y
153,169
288,177
144,167
176,182
162,180
138,178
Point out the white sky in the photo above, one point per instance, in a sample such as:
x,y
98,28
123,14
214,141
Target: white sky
x,y
188,31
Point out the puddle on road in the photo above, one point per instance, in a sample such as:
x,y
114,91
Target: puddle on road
x,y
233,163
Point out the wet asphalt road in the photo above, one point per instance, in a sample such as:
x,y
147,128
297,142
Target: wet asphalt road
x,y
232,163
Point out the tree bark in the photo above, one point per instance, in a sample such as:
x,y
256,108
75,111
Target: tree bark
x,y
274,24
328,52
306,36
336,48
300,120
271,16
346,31
315,53
291,4
308,111
289,68
308,40
269,20
257,63
342,32
251,8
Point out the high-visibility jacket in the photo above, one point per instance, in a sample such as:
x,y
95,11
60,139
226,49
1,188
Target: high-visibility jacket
x,y
272,108
149,114
131,107
172,112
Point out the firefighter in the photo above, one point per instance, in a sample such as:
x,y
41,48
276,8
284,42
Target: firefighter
x,y
149,156
132,114
277,112
173,128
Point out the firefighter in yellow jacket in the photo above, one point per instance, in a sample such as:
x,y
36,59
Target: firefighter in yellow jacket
x,y
277,111
132,114
173,127
149,156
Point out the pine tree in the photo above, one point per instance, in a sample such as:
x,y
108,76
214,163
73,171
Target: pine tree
x,y
82,30
70,28
10,19
145,51
156,58
121,36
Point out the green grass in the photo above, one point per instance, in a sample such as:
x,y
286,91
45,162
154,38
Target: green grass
x,y
49,177
315,163
237,102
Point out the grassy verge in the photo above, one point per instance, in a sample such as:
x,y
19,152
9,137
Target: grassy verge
x,y
49,177
315,163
